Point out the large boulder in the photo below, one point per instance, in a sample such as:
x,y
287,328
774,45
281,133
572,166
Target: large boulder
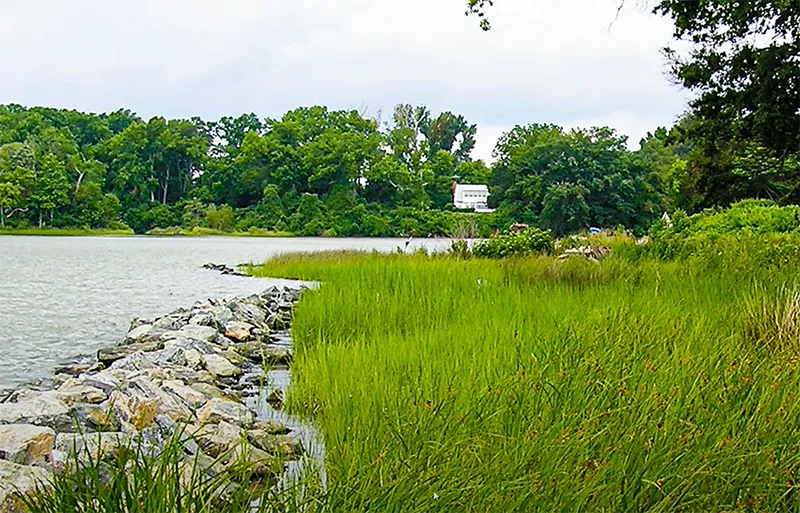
x,y
222,410
26,444
18,479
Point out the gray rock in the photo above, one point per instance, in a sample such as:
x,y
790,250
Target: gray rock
x,y
43,410
193,332
221,410
87,446
139,332
72,392
104,380
220,367
217,439
110,355
19,479
26,444
144,390
190,396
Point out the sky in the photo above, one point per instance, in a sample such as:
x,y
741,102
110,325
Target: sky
x,y
569,62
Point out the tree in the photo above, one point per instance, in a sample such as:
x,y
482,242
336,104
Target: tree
x,y
51,187
744,65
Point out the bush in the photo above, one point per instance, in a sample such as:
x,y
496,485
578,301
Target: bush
x,y
530,242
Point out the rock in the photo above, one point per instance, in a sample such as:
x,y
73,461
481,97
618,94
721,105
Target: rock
x,y
208,390
87,446
275,322
42,410
239,331
276,445
194,358
110,355
221,410
278,356
234,357
106,381
26,444
247,313
189,395
220,367
193,332
275,398
272,427
204,319
143,390
259,462
19,479
92,418
139,333
72,392
217,439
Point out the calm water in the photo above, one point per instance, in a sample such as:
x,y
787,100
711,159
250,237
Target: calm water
x,y
66,296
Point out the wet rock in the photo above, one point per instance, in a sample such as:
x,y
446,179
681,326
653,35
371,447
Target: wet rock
x,y
221,410
234,357
26,444
239,331
110,355
248,313
18,479
220,366
259,462
276,445
204,319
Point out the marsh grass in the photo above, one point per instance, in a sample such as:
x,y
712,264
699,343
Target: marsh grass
x,y
537,385
199,231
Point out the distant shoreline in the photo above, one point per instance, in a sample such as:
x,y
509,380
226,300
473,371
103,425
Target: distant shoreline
x,y
171,233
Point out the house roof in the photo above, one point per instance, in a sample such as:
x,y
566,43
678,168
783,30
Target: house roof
x,y
471,188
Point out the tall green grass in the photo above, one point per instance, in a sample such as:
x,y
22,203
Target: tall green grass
x,y
539,385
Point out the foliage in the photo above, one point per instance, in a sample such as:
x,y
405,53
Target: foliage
x,y
316,171
529,242
743,66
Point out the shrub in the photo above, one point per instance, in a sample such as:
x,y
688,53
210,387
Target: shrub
x,y
530,242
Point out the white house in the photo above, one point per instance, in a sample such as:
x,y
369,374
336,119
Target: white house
x,y
471,196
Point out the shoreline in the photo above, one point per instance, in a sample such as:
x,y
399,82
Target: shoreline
x,y
200,373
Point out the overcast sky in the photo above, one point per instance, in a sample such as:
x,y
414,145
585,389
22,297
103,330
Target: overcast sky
x,y
546,61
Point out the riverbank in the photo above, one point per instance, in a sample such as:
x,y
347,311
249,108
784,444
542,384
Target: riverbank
x,y
535,384
193,383
209,232
66,232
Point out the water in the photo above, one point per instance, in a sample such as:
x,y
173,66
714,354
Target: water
x,y
61,297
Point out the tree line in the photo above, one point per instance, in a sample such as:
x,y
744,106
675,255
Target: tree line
x,y
316,171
